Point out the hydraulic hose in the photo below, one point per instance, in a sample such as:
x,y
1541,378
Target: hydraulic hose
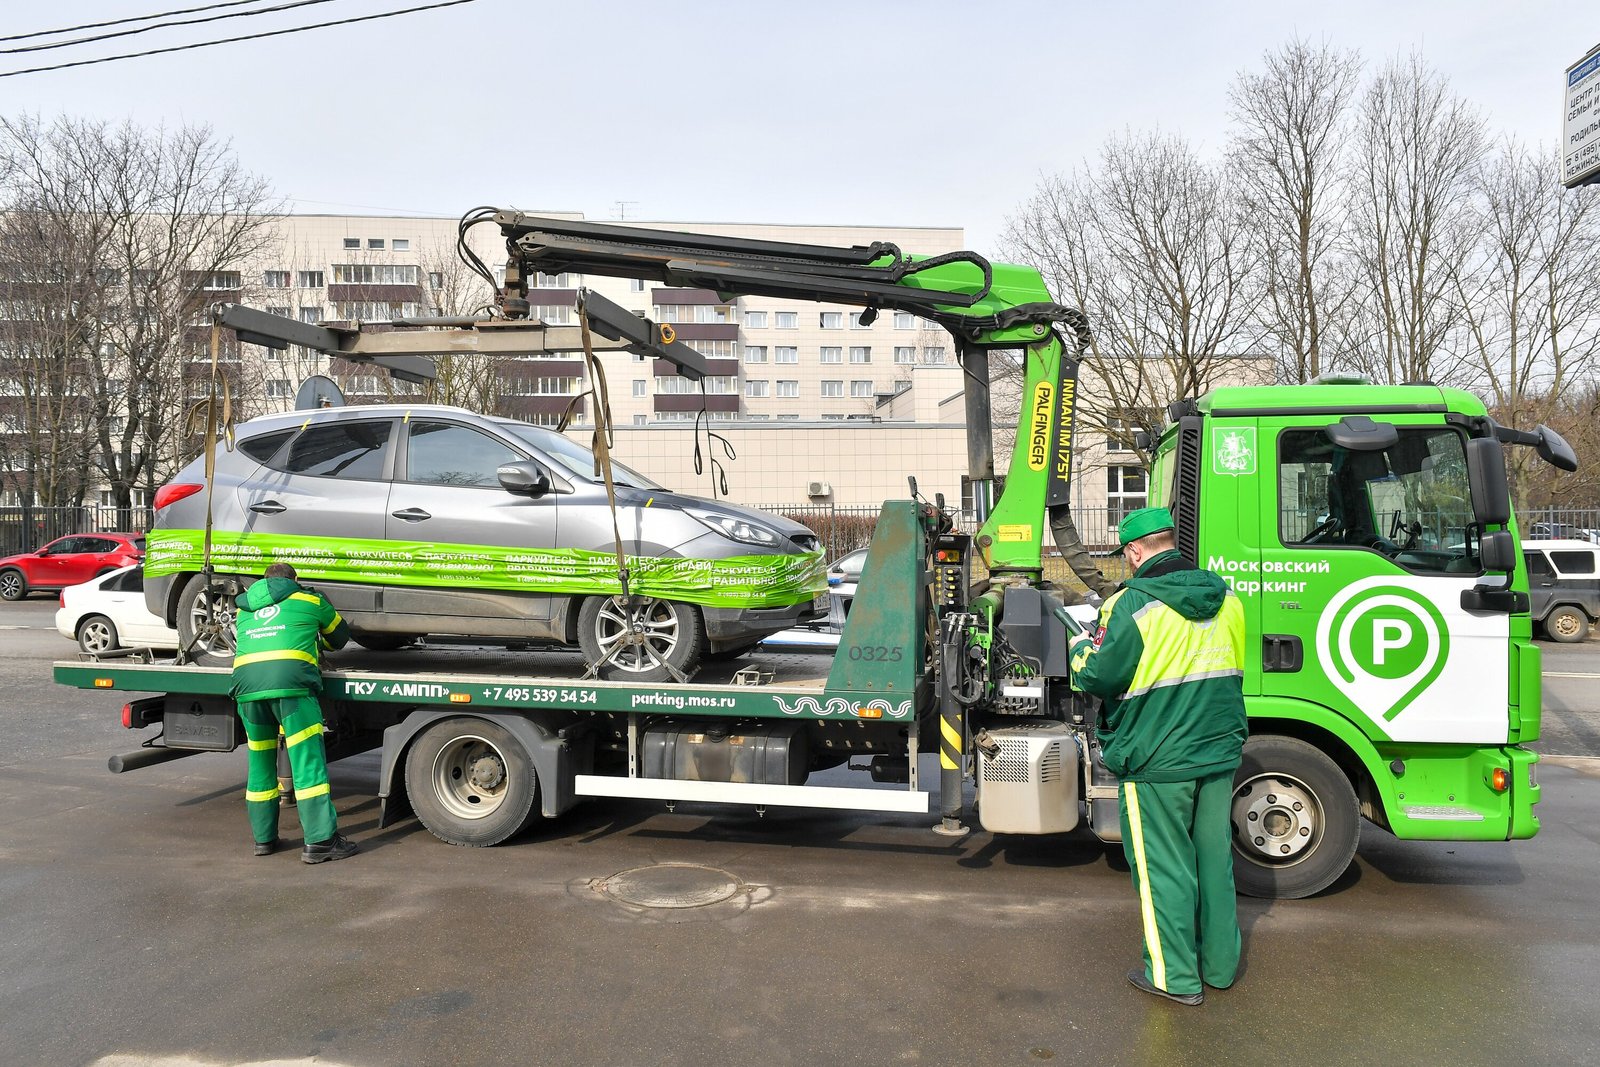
x,y
1072,549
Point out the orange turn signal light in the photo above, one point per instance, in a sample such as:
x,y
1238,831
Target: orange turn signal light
x,y
865,712
460,698
104,683
1499,779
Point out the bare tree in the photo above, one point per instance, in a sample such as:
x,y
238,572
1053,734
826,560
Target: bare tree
x,y
1288,155
1150,243
1530,296
1417,145
469,380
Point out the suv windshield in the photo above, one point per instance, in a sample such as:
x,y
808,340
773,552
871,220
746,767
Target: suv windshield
x,y
573,457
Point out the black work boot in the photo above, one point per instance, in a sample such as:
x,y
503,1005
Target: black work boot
x,y
1139,981
266,848
334,848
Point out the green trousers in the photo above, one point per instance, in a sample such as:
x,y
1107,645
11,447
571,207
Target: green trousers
x,y
1179,843
301,720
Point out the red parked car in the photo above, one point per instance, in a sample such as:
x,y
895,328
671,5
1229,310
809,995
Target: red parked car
x,y
66,561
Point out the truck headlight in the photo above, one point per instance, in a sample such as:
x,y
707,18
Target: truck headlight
x,y
735,528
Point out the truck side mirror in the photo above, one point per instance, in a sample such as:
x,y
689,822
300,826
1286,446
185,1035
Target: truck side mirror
x,y
1498,551
524,478
1486,476
1554,450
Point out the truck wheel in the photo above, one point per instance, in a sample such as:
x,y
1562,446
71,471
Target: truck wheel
x,y
1295,819
97,634
205,619
13,586
650,630
1566,624
470,782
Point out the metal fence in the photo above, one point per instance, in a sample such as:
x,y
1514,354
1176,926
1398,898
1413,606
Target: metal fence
x,y
26,529
1580,523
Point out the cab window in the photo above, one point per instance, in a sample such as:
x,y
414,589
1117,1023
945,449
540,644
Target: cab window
x,y
1573,562
1410,502
1538,565
443,453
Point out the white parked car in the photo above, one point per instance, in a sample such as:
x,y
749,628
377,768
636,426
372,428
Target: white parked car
x,y
108,612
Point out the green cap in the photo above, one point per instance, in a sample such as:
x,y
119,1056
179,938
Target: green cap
x,y
1142,523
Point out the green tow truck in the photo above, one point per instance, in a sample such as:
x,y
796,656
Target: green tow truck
x,y
1366,529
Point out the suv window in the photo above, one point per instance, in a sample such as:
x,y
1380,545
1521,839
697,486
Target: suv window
x,y
66,546
339,450
1538,564
443,453
98,544
1410,502
266,446
1573,562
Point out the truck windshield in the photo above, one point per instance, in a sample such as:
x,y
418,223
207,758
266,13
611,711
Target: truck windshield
x,y
1410,502
573,457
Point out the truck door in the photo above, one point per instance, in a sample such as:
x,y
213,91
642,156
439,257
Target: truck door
x,y
1366,551
447,495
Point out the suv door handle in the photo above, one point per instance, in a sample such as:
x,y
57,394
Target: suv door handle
x,y
411,514
267,507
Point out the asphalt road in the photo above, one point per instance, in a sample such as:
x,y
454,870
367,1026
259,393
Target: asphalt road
x,y
136,929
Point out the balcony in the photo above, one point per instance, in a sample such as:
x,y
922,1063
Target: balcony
x,y
694,402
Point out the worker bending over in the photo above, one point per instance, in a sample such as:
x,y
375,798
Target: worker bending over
x,y
282,628
1168,661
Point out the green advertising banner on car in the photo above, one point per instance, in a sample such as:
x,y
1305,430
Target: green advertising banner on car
x,y
755,581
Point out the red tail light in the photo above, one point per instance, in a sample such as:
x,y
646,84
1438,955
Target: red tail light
x,y
127,716
173,492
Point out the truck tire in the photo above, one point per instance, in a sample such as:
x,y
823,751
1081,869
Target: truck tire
x,y
1295,819
671,630
471,782
1567,624
205,619
13,586
97,634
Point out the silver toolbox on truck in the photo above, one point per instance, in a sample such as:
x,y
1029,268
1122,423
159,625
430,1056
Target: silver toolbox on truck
x,y
1030,785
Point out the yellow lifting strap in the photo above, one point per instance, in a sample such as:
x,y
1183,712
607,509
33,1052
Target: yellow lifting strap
x,y
214,422
601,395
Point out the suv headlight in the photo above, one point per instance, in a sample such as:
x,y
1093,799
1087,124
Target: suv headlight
x,y
735,528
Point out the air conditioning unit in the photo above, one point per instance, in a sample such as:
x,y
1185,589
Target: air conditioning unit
x,y
818,489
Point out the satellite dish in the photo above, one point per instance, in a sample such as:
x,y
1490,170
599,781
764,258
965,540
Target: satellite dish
x,y
318,391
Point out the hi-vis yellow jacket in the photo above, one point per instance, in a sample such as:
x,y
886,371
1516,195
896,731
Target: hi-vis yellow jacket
x,y
1168,661
281,627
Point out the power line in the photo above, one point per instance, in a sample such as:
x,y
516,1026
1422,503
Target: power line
x,y
120,22
235,40
160,26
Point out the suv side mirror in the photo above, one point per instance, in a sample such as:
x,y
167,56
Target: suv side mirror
x,y
1486,476
524,478
1498,551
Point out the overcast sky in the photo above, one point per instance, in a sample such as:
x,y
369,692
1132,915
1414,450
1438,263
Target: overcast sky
x,y
893,113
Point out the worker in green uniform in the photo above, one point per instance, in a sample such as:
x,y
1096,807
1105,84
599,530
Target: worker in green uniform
x,y
282,628
1168,660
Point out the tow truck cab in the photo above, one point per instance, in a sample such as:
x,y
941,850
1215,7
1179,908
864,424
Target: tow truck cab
x,y
1368,533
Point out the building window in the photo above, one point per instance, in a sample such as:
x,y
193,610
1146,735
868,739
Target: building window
x,y
435,280
755,353
860,354
832,355
641,387
786,354
755,320
278,389
552,281
718,349
832,388
929,324
758,418
401,244
311,314
372,310
541,386
375,274
855,322
641,420
311,279
352,242
222,279
786,320
788,418
755,387
281,312
904,320
832,418
1125,492
905,353
635,285
554,314
860,388
275,279
1123,426
674,386
375,244
788,388
933,355
832,320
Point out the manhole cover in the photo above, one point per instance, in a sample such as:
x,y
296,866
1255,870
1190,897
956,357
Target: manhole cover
x,y
671,885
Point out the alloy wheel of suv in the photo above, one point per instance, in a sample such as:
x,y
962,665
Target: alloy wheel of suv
x,y
12,585
637,638
205,619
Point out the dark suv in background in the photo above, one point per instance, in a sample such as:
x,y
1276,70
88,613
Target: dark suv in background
x,y
433,520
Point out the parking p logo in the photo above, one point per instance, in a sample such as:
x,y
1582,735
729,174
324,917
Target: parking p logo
x,y
1382,645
